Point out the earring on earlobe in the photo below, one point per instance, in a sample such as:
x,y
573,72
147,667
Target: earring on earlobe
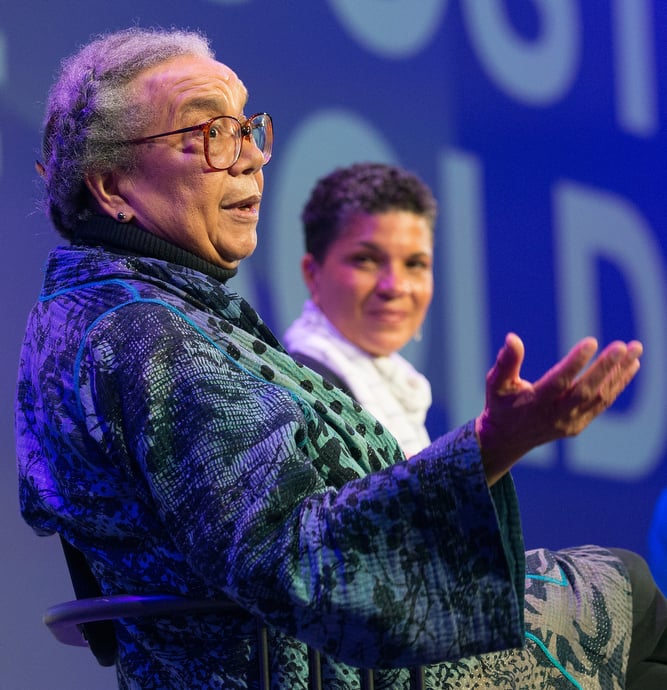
x,y
121,216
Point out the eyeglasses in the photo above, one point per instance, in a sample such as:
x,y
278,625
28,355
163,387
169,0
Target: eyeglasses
x,y
223,138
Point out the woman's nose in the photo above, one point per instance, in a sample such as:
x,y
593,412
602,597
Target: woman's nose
x,y
393,282
251,158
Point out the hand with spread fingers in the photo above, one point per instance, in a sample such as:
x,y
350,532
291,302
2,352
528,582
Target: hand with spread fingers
x,y
519,415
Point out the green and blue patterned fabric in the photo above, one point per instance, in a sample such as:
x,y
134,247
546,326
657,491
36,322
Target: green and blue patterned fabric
x,y
164,431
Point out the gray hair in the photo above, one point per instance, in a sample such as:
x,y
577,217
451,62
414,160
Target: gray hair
x,y
90,110
367,188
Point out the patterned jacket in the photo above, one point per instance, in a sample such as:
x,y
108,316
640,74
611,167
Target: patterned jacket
x,y
163,430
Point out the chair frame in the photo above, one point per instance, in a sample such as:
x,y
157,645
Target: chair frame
x,y
87,622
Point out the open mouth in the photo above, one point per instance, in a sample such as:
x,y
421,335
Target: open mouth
x,y
249,204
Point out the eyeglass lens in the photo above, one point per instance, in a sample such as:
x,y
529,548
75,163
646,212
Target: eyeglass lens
x,y
226,138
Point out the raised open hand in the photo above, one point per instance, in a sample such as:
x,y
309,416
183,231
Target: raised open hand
x,y
519,415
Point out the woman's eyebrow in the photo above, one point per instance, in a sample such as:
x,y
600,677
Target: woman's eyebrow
x,y
201,104
214,106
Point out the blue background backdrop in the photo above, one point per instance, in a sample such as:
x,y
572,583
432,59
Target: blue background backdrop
x,y
541,127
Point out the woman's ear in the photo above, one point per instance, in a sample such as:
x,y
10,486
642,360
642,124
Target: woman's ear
x,y
310,270
103,188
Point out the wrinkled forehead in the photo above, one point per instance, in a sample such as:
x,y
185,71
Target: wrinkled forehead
x,y
174,84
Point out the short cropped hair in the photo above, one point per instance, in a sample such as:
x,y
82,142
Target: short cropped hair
x,y
91,109
362,188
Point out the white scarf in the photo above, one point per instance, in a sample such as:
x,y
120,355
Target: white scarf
x,y
389,387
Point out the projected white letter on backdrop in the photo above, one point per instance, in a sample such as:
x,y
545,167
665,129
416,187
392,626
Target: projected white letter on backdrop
x,y
590,225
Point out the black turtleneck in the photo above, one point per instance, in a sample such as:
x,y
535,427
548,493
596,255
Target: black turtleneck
x,y
125,238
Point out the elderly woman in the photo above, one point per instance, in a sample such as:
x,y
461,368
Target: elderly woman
x,y
164,431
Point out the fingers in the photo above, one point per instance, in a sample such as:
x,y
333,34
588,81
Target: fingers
x,y
582,399
519,416
561,376
635,348
608,375
617,363
613,370
505,374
